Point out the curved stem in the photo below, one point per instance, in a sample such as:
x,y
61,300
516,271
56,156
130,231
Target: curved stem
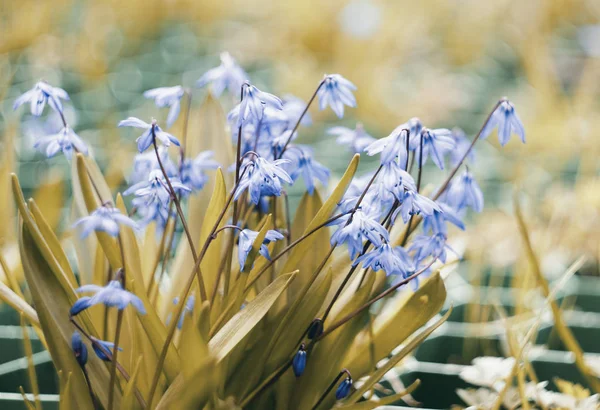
x,y
226,227
301,117
181,217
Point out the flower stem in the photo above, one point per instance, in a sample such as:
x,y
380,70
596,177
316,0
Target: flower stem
x,y
301,117
181,217
407,231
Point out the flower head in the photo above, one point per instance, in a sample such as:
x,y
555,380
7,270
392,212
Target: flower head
x,y
464,191
393,261
151,130
146,162
436,222
336,92
228,75
508,122
41,93
363,225
436,144
193,170
356,139
414,203
167,97
79,348
263,177
391,147
111,295
65,140
108,346
344,388
303,164
105,219
395,180
424,246
252,106
247,238
299,362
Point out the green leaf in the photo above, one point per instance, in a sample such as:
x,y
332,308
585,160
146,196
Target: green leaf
x,y
246,319
129,401
404,315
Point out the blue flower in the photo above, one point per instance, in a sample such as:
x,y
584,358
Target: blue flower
x,y
356,139
462,145
263,178
299,362
79,348
146,139
187,309
363,225
111,295
304,164
41,93
424,246
247,238
106,345
344,388
393,261
391,147
146,162
167,97
508,122
228,75
436,223
152,196
104,219
336,92
65,140
464,191
251,108
395,180
414,203
192,170
293,107
436,144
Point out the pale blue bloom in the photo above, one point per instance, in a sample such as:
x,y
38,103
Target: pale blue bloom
x,y
146,162
147,138
508,122
336,92
462,145
356,139
424,246
363,225
152,197
79,349
293,107
193,170
111,295
109,346
263,177
436,144
65,140
228,75
104,219
391,147
41,93
436,223
414,203
167,97
344,388
247,238
393,261
188,308
396,180
306,166
252,106
464,191
355,189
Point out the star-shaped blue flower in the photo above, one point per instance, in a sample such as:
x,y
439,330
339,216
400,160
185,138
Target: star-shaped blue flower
x,y
465,192
356,139
147,138
336,92
436,144
263,177
111,295
105,219
41,93
393,261
247,238
167,97
229,75
65,140
250,110
364,225
414,203
303,164
508,122
193,170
